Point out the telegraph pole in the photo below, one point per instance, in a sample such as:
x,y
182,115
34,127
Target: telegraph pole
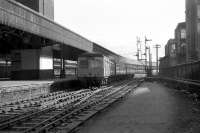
x,y
157,46
138,49
149,68
149,58
150,62
146,40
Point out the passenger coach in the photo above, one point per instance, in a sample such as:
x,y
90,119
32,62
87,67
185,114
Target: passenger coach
x,y
95,69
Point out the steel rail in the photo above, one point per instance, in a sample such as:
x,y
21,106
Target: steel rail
x,y
91,102
80,102
28,115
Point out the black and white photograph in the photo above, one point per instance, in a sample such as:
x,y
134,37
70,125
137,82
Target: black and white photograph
x,y
99,66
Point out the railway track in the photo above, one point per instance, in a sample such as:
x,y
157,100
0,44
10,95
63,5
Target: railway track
x,y
22,108
64,116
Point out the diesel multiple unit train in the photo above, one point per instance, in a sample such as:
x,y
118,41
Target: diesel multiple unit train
x,y
95,69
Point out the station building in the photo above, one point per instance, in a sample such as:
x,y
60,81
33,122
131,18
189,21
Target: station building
x,y
193,30
33,46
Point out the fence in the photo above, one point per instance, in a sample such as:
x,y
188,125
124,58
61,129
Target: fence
x,y
190,71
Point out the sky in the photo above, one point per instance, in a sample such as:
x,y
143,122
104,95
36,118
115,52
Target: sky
x,y
115,24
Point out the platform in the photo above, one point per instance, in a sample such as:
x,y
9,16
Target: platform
x,y
151,108
13,91
11,84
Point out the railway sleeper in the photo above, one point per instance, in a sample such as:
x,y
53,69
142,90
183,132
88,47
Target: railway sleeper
x,y
46,121
21,119
80,110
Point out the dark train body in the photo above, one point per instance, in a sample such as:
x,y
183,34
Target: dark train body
x,y
95,69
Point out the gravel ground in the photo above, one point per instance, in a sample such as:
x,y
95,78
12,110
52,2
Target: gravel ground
x,y
151,108
13,91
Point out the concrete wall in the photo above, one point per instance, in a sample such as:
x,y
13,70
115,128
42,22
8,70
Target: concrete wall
x,y
46,7
46,71
25,64
28,64
29,59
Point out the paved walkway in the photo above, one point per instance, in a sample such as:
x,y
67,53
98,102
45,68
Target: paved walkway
x,y
151,108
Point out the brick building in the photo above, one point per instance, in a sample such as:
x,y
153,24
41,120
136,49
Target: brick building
x,y
193,30
180,38
170,48
170,54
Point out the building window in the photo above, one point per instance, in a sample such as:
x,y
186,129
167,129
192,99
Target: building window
x,y
173,49
183,34
198,27
173,46
198,11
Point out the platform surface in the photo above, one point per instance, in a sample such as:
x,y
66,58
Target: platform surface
x,y
151,108
23,83
13,91
18,83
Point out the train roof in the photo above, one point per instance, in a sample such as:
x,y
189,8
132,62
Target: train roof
x,y
91,55
121,59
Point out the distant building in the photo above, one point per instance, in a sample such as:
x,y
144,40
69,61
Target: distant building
x,y
193,30
170,48
180,38
170,54
45,7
